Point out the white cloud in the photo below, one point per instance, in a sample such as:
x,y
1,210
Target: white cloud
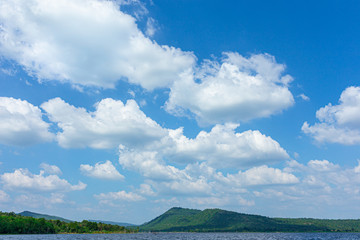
x,y
50,169
357,168
22,123
322,165
164,178
150,27
85,42
112,123
108,198
146,190
304,97
149,164
323,178
4,197
198,179
339,123
222,147
263,175
22,179
101,170
238,89
210,202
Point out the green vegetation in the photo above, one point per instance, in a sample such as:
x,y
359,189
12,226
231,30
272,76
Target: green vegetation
x,y
11,223
334,225
217,220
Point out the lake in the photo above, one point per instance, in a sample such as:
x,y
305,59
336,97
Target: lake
x,y
189,236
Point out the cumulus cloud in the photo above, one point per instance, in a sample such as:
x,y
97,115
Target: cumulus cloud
x,y
85,42
101,170
112,123
22,123
237,89
22,179
322,165
146,190
325,179
149,164
338,123
263,175
197,179
222,147
50,169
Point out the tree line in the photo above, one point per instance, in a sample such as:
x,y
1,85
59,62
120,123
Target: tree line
x,y
11,223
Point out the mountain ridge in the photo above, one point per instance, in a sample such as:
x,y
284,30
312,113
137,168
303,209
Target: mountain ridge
x,y
52,217
45,216
218,220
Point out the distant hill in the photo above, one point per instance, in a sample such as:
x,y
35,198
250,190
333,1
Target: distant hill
x,y
114,223
39,215
217,220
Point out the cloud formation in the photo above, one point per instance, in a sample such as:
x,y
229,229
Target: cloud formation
x,y
111,124
24,180
197,179
85,42
101,170
222,147
22,123
339,123
50,169
235,90
108,198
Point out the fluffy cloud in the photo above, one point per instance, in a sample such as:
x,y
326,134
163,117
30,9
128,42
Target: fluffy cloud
x,y
197,179
85,42
149,164
339,123
22,179
164,178
101,170
50,169
238,89
263,175
22,123
321,180
222,147
112,123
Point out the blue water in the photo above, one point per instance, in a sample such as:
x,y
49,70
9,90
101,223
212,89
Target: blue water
x,y
190,236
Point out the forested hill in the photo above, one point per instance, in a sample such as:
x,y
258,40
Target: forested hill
x,y
217,220
11,223
39,215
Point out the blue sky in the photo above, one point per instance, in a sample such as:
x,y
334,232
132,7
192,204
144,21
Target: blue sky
x,y
120,110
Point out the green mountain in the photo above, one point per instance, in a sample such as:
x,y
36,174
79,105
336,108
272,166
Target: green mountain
x,y
217,220
39,215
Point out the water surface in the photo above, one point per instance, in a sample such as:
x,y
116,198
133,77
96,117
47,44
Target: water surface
x,y
189,236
